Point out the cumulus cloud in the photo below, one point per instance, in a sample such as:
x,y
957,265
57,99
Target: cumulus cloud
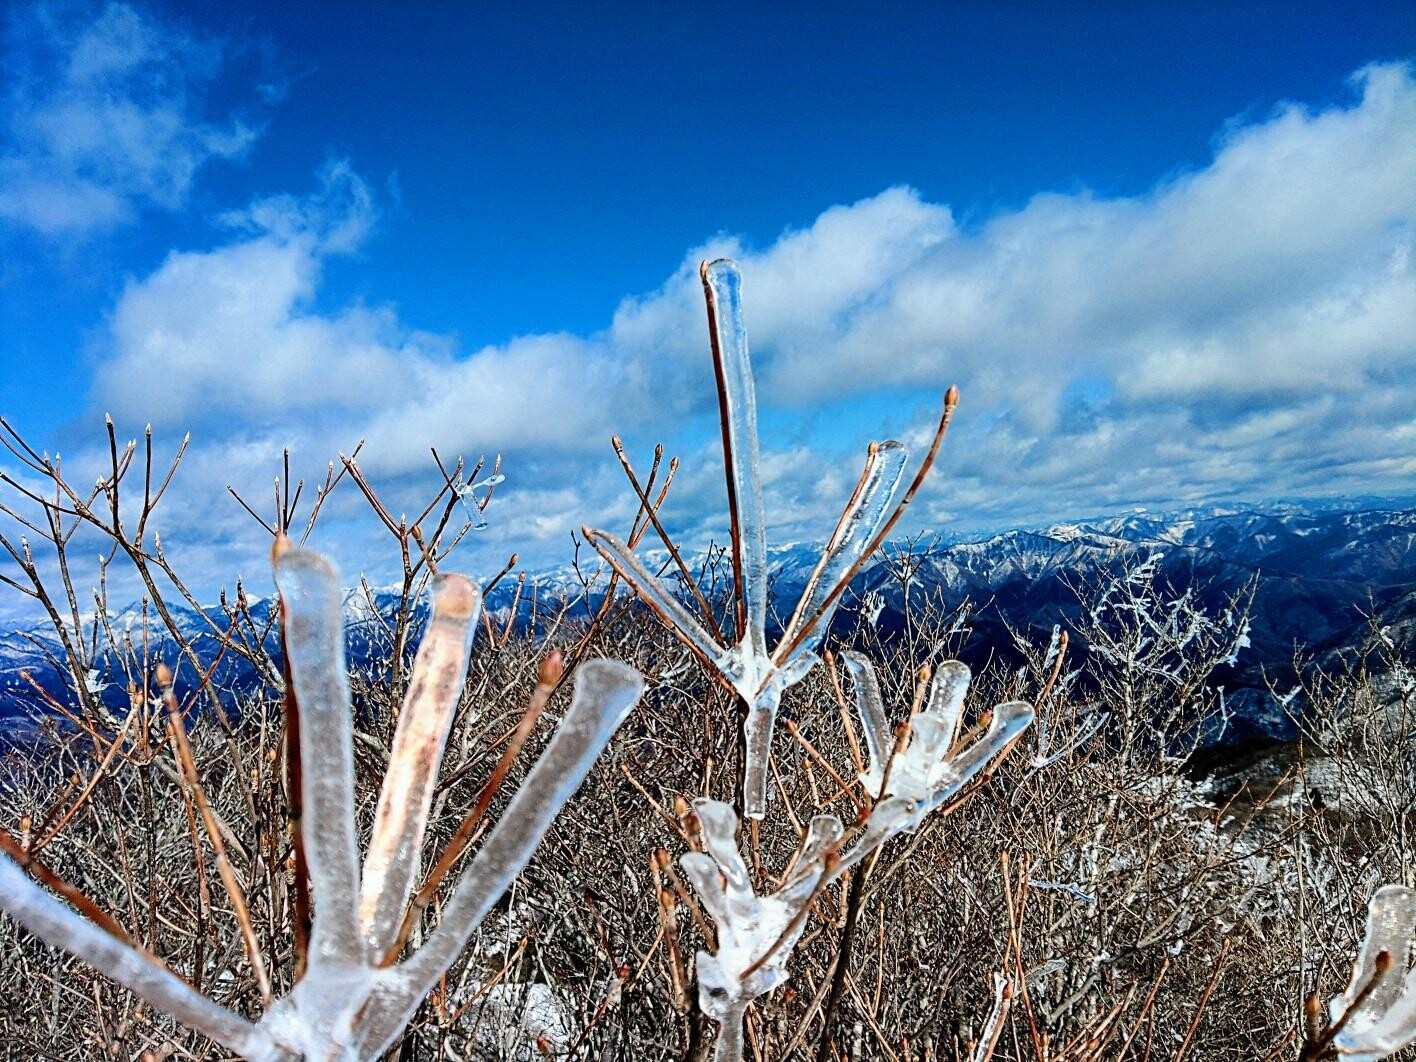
x,y
234,331
1283,263
1248,328
104,117
227,331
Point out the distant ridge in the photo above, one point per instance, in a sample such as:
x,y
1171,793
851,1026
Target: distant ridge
x,y
1320,574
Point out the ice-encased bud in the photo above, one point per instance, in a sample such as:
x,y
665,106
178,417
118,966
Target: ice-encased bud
x,y
1384,1021
928,771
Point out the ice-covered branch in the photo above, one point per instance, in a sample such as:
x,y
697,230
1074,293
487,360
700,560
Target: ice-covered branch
x,y
758,676
605,691
52,922
350,1005
1376,1015
737,401
756,934
928,770
314,640
428,706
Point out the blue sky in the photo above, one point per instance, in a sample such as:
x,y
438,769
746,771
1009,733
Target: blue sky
x,y
1165,249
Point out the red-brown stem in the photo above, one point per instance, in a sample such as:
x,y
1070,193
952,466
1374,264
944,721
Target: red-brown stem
x,y
552,668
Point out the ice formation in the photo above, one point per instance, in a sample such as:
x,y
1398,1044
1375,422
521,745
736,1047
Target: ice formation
x,y
756,934
473,506
921,764
1378,1011
354,999
993,1026
757,674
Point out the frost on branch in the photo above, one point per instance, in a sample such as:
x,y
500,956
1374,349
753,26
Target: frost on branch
x,y
1376,1015
354,998
918,761
759,676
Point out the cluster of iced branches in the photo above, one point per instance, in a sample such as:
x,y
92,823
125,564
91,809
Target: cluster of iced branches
x,y
355,995
915,768
359,983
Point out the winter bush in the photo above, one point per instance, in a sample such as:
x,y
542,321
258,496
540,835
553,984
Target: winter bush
x,y
919,863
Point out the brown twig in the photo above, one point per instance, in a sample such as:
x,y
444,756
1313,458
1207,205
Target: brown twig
x,y
223,863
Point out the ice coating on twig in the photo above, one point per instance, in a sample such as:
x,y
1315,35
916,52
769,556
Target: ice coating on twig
x,y
439,672
756,934
1046,758
928,771
757,676
909,776
314,641
1379,1018
659,598
348,1006
605,691
988,1039
722,286
56,924
475,507
866,511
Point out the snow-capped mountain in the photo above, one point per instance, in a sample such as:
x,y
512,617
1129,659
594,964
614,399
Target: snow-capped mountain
x,y
1319,576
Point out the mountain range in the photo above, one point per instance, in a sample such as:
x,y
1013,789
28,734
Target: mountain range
x,y
1322,580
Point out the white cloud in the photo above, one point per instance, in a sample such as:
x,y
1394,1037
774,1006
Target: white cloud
x,y
1246,328
103,117
227,331
1217,279
234,332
